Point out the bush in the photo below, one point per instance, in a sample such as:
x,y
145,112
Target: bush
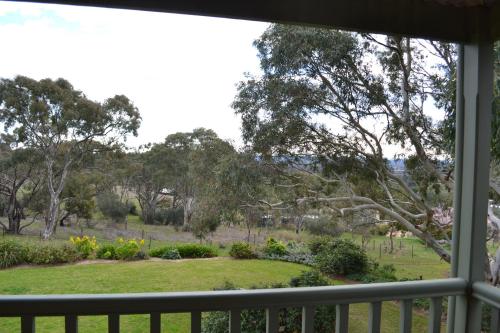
x,y
242,250
196,251
309,279
376,273
11,254
290,318
186,251
111,207
85,245
171,254
381,229
317,244
323,226
170,216
129,249
275,248
341,257
160,251
52,254
107,251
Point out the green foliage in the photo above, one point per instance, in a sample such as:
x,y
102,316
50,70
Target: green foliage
x,y
171,254
317,243
376,273
341,257
170,216
51,254
160,251
242,250
309,279
106,251
11,254
290,318
196,251
129,249
185,251
85,245
323,226
381,229
274,247
111,207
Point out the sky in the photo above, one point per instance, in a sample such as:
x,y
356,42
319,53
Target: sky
x,y
180,71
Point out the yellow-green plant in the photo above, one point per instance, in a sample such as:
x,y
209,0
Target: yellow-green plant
x,y
85,245
129,249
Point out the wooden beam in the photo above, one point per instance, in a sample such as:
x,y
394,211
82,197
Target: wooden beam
x,y
414,18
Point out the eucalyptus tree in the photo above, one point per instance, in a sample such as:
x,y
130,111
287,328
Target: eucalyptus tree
x,y
149,179
342,100
54,118
191,160
19,181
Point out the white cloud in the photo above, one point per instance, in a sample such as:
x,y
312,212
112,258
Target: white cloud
x,y
179,70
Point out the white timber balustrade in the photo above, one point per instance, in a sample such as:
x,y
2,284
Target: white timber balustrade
x,y
235,301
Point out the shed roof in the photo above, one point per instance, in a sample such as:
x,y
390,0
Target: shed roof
x,y
451,20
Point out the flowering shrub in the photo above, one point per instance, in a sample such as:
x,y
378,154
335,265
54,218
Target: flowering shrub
x,y
85,245
129,249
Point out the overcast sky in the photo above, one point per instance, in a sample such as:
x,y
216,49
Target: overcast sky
x,y
180,71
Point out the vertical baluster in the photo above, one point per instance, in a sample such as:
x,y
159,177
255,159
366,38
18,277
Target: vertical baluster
x,y
272,320
308,319
27,324
155,322
114,323
196,322
71,324
342,318
235,321
405,316
495,320
435,312
374,317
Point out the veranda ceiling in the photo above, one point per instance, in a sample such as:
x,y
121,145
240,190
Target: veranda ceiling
x,y
451,20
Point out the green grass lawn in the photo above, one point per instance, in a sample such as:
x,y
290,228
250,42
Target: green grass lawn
x,y
155,276
423,263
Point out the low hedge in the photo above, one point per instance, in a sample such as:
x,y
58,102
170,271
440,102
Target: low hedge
x,y
13,253
185,251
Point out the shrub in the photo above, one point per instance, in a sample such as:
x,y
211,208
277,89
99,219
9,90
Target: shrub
x,y
196,251
111,207
170,216
323,226
171,254
85,245
290,318
341,257
297,258
11,254
381,229
309,279
52,254
275,248
107,251
242,250
376,273
186,251
317,244
129,249
160,251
